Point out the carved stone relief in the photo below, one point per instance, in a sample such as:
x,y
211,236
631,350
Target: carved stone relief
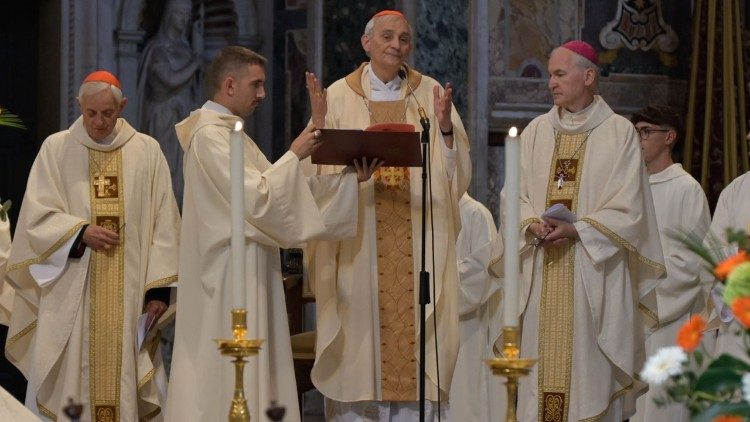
x,y
169,74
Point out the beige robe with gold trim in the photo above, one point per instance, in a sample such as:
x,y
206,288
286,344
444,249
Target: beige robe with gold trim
x,y
49,335
282,209
344,275
618,253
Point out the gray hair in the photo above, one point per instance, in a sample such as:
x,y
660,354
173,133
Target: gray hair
x,y
94,87
580,61
583,63
370,27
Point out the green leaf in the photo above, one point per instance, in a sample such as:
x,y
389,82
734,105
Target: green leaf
x,y
716,380
723,374
698,358
726,360
717,409
10,120
737,236
704,248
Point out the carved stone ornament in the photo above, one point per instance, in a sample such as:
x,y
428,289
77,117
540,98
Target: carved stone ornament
x,y
639,25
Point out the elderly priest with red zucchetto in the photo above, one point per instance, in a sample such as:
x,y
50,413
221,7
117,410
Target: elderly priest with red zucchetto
x,y
94,252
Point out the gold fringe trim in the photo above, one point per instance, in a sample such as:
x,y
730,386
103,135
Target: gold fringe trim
x,y
650,314
49,251
622,242
611,400
495,260
523,224
147,378
22,333
46,412
528,221
161,282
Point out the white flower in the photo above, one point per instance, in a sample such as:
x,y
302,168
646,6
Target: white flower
x,y
665,363
746,386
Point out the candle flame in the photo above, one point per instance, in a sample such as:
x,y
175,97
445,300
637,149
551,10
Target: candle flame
x,y
513,132
238,126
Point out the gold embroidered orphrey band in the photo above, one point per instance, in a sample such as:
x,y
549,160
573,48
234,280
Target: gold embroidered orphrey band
x,y
556,306
398,367
106,286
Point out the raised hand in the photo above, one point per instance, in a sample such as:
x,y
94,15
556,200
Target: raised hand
x,y
364,171
318,102
307,142
443,107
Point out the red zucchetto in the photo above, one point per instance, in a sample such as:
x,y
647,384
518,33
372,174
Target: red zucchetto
x,y
103,76
582,48
389,12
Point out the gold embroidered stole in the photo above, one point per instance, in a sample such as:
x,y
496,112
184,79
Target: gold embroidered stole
x,y
556,306
106,284
395,269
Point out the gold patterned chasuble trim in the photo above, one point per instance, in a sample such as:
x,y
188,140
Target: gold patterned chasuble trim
x,y
557,301
393,226
106,284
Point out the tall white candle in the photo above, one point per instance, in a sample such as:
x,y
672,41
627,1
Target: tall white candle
x,y
511,230
237,192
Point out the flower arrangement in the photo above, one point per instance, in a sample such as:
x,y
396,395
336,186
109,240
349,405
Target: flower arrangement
x,y
714,389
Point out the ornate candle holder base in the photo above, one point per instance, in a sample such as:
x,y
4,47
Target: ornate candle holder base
x,y
511,367
239,348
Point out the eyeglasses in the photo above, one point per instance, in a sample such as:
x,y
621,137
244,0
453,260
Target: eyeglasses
x,y
645,132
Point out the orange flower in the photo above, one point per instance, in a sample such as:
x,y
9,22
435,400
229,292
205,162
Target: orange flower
x,y
741,310
726,266
690,334
729,418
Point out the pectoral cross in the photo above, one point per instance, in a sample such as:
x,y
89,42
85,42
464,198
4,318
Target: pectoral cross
x,y
101,183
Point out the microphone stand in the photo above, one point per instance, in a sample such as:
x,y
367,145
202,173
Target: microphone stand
x,y
424,276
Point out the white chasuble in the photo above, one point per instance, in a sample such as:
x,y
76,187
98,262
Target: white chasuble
x,y
283,208
730,213
354,353
579,303
75,337
476,394
681,207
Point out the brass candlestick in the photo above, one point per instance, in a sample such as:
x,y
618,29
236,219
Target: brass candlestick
x,y
511,367
239,348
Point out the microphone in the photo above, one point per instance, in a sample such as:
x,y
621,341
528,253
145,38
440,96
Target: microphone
x,y
423,120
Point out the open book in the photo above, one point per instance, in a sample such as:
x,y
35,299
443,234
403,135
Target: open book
x,y
395,143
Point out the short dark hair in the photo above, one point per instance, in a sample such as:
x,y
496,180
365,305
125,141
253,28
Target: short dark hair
x,y
663,115
229,60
